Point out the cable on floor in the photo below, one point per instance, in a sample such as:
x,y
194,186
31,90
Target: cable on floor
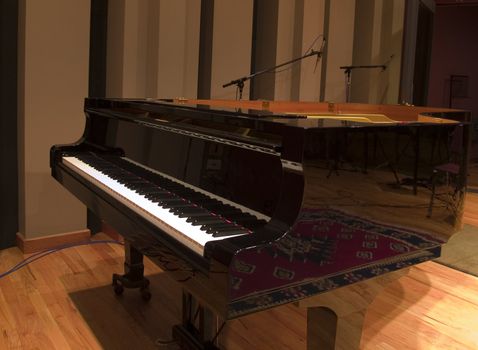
x,y
46,252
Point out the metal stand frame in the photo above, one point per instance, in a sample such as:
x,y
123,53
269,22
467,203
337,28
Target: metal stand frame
x,y
198,330
348,76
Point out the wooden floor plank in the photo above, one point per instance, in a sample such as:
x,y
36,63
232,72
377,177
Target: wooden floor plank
x,y
65,301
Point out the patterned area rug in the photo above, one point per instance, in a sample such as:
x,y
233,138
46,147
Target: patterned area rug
x,y
461,251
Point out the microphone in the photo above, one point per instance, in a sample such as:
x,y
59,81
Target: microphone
x,y
319,54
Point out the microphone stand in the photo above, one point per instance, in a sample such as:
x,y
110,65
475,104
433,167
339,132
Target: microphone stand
x,y
348,72
240,82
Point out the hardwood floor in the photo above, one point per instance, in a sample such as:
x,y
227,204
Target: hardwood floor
x,y
65,301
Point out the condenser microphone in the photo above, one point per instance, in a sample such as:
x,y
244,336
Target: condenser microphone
x,y
319,54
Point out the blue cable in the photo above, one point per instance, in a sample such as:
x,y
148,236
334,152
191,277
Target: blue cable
x,y
46,252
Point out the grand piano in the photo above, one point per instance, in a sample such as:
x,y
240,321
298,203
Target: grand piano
x,y
254,204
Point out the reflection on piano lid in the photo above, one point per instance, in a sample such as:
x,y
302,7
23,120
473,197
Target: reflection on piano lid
x,y
258,208
363,118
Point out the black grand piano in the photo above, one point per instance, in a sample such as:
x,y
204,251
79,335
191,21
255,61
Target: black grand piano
x,y
255,204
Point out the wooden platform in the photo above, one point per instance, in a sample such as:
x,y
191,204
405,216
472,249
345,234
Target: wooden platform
x,y
65,301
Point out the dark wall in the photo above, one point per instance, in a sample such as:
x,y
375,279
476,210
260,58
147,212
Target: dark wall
x,y
8,123
454,52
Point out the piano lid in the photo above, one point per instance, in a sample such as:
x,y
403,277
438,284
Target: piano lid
x,y
299,114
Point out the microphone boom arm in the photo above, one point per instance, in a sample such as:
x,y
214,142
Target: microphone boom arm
x,y
240,81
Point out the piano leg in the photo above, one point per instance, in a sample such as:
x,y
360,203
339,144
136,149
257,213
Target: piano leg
x,y
197,331
134,273
335,319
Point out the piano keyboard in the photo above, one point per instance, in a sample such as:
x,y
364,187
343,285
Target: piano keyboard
x,y
189,216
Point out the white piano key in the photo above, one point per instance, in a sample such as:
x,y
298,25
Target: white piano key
x,y
181,230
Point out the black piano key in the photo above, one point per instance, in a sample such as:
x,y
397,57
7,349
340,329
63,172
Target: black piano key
x,y
251,224
177,209
210,228
222,207
158,193
144,190
186,210
198,198
143,185
196,207
223,224
125,180
193,218
214,209
200,220
139,187
208,202
180,203
171,202
229,232
190,215
157,197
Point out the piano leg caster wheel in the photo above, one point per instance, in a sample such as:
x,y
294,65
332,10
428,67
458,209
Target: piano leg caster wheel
x,y
120,282
118,289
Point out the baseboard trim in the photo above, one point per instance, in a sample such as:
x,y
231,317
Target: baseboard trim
x,y
33,245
